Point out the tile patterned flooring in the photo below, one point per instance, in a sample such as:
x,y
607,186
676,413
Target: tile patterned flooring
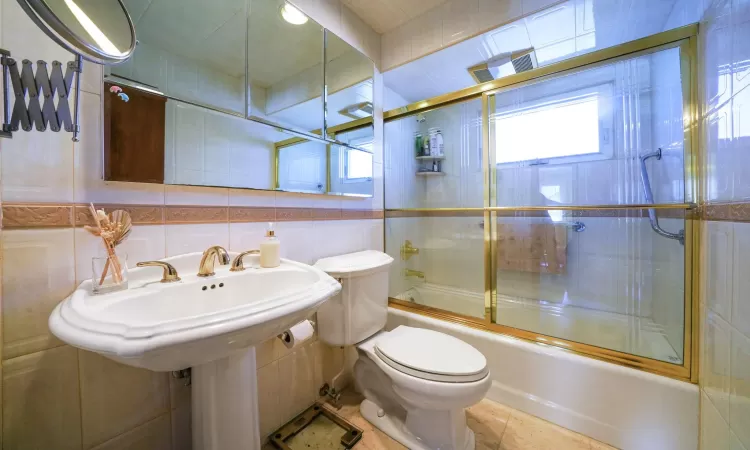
x,y
496,427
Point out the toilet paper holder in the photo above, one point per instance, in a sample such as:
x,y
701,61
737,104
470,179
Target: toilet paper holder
x,y
286,336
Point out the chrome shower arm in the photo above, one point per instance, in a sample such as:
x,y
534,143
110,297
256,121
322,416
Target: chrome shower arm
x,y
679,236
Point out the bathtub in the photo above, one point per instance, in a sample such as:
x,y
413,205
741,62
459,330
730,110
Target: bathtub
x,y
627,408
623,333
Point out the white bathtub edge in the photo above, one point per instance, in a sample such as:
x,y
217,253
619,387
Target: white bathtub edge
x,y
623,407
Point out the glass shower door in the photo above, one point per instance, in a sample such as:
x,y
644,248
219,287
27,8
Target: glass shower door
x,y
588,199
434,210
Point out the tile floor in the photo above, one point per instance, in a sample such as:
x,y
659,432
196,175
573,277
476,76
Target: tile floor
x,y
496,427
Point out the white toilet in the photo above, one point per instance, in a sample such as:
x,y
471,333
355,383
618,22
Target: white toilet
x,y
416,382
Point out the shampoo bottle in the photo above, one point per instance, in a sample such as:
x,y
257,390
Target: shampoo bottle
x,y
269,249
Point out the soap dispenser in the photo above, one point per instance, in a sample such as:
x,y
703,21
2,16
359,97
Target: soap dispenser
x,y
269,249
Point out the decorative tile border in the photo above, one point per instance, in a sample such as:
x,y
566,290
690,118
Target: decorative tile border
x,y
195,214
139,214
726,212
71,215
37,216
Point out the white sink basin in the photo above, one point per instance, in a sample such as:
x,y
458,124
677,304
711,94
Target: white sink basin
x,y
210,324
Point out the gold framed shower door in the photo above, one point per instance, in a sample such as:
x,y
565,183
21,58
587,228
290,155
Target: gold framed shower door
x,y
684,38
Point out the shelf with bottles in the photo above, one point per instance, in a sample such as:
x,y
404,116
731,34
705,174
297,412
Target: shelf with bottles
x,y
429,147
430,166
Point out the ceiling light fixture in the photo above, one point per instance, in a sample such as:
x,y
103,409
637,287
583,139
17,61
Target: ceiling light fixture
x,y
293,15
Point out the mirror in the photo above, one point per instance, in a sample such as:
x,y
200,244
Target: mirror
x,y
349,83
100,31
351,166
326,168
193,54
301,166
192,116
285,66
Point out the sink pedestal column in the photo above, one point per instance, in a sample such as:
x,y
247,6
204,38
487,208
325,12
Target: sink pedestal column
x,y
225,403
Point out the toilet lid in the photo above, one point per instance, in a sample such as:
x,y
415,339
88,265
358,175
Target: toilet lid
x,y
431,355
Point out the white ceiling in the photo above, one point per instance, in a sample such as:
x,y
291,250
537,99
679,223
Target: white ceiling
x,y
385,15
213,32
560,32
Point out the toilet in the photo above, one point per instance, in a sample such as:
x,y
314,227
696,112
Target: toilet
x,y
416,382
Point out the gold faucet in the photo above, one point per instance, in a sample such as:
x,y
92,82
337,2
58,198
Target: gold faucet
x,y
170,273
206,268
237,265
413,273
408,250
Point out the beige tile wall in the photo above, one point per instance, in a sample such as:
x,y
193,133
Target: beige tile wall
x,y
725,305
57,397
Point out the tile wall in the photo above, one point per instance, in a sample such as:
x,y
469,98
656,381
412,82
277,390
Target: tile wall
x,y
725,303
57,397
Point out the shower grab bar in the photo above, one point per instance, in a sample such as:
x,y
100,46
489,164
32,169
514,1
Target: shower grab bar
x,y
679,236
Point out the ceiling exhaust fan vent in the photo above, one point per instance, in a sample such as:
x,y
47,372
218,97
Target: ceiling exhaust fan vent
x,y
521,61
482,74
524,60
358,110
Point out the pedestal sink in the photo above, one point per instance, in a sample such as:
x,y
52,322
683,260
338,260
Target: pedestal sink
x,y
210,324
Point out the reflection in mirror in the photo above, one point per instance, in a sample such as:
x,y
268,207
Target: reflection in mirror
x,y
209,148
194,53
351,168
349,82
152,139
182,119
301,166
285,66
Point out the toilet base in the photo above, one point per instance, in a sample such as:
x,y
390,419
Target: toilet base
x,y
394,427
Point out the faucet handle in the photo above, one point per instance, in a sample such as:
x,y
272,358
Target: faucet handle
x,y
170,273
237,265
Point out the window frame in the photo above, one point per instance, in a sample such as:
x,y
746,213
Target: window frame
x,y
606,123
344,164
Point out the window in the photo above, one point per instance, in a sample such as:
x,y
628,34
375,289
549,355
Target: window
x,y
572,127
358,163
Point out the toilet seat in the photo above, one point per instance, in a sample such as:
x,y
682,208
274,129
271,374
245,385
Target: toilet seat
x,y
431,355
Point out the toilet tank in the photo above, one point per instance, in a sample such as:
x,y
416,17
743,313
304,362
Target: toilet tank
x,y
361,308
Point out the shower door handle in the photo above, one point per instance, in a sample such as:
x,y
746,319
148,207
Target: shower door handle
x,y
680,236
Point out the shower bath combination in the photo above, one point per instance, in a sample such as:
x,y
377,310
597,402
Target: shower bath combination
x,y
621,290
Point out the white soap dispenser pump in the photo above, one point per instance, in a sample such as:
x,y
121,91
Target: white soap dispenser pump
x,y
269,249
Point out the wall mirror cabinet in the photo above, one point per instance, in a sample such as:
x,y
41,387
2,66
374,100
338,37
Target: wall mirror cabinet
x,y
243,94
